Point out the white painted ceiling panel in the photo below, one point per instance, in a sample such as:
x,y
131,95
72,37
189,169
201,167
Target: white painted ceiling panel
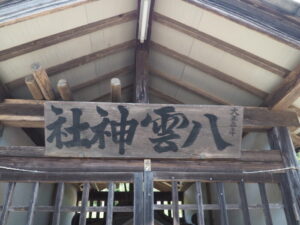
x,y
164,35
163,86
179,10
20,66
41,26
101,9
166,64
219,88
114,62
191,98
113,35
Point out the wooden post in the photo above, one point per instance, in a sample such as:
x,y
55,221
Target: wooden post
x,y
115,90
64,90
33,88
43,81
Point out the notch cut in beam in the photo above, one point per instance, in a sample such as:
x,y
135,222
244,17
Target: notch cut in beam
x,y
215,42
51,71
66,35
32,115
209,70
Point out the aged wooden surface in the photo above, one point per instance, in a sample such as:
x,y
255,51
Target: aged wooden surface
x,y
64,90
30,113
33,88
85,129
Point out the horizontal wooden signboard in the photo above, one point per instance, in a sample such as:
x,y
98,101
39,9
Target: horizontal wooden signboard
x,y
93,129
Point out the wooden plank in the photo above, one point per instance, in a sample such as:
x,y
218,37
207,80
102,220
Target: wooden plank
x,y
244,203
218,43
110,204
58,203
116,90
6,205
84,203
199,199
138,216
287,92
222,204
32,205
189,87
250,18
175,207
217,129
64,90
33,88
51,71
209,70
141,75
265,203
148,198
66,35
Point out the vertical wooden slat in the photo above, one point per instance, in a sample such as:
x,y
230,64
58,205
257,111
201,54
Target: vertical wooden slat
x,y
43,81
98,213
244,203
175,206
58,203
110,204
199,199
265,203
116,90
84,203
222,204
64,90
138,199
33,88
7,203
148,198
33,203
286,200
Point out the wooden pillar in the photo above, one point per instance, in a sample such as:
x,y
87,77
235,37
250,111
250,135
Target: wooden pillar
x,y
64,90
142,75
116,90
43,81
33,88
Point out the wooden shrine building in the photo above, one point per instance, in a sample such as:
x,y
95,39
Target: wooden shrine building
x,y
149,112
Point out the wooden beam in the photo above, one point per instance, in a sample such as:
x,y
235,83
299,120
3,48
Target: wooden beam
x,y
287,92
51,71
64,90
192,88
209,70
141,75
33,88
66,35
116,90
218,43
107,96
255,118
43,81
252,18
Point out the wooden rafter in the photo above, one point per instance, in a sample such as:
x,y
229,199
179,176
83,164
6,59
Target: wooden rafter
x,y
287,92
215,42
253,18
51,71
190,87
66,35
209,70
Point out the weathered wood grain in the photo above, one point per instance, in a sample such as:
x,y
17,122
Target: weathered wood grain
x,y
33,88
64,90
142,130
